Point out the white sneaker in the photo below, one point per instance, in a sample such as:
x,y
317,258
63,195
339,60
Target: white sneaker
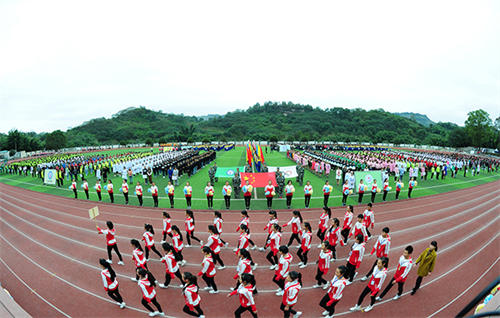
x,y
378,299
120,263
326,286
147,259
319,246
325,313
235,250
316,286
278,290
363,279
303,266
207,288
332,260
202,316
201,243
280,293
152,314
183,262
368,308
231,289
188,245
348,283
161,314
221,267
300,263
254,247
396,297
225,244
122,305
261,249
162,286
355,308
299,313
133,279
109,261
355,274
254,267
162,241
214,292
298,246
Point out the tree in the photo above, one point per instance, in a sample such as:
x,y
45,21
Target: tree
x,y
55,140
478,127
458,138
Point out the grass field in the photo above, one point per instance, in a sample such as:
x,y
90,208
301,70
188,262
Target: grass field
x,y
236,157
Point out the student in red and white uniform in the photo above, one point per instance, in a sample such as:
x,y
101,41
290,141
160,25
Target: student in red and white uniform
x,y
110,241
305,245
289,191
325,256
244,267
399,187
147,285
381,248
109,187
245,291
369,219
138,192
208,270
327,190
214,243
333,237
149,241
404,266
355,257
283,269
189,222
188,192
361,191
335,292
359,228
245,220
412,184
98,190
124,190
171,266
345,192
73,187
110,283
226,192
191,296
385,189
274,243
154,194
169,189
374,190
296,222
323,224
138,257
209,192
85,187
374,285
269,192
273,219
167,226
218,221
308,191
247,194
291,294
178,245
243,240
346,226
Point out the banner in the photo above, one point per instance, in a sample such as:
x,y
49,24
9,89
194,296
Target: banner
x,y
227,172
258,180
368,177
50,176
288,171
93,213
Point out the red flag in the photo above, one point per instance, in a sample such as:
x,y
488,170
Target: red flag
x,y
249,156
258,180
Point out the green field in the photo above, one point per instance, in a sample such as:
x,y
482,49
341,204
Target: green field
x,y
236,157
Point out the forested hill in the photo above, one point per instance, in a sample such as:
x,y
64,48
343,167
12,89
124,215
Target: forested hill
x,y
271,121
419,118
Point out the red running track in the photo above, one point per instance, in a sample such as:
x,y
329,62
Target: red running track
x,y
49,253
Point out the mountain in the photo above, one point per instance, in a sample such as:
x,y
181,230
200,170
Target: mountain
x,y
419,118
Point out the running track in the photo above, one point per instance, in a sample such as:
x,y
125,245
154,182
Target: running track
x,y
49,252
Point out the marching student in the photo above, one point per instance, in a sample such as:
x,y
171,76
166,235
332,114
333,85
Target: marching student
x,y
346,227
333,237
327,189
404,266
399,186
308,191
73,187
305,245
381,248
335,292
226,192
138,257
323,262
98,189
147,285
208,271
171,266
374,190
412,184
246,221
283,268
369,219
154,193
291,294
324,218
191,296
167,226
243,240
273,219
361,191
108,276
359,228
374,285
214,243
245,291
218,221
345,192
169,189
138,192
386,189
124,190
269,193
109,187
188,192
85,187
209,192
247,194
189,222
110,241
178,245
289,191
274,243
355,257
427,260
296,222
245,267
149,241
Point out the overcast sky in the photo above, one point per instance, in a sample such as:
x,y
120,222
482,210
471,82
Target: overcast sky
x,y
64,62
